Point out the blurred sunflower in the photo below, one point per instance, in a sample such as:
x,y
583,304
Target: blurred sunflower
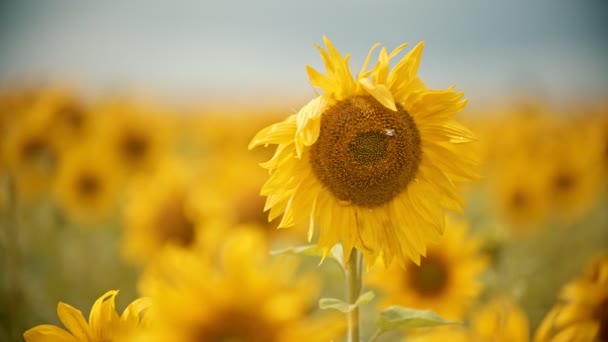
x,y
13,103
166,207
447,280
87,183
242,194
499,320
134,134
374,160
31,156
575,175
104,322
581,313
240,294
518,194
64,115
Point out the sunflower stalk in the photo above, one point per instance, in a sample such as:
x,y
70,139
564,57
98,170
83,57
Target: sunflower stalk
x,y
354,283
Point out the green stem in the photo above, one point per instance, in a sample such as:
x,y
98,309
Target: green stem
x,y
354,282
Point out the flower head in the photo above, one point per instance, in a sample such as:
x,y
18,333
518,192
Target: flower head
x,y
373,161
229,290
104,322
447,280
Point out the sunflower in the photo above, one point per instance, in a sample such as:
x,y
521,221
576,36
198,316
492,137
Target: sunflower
x,y
239,294
575,176
104,322
13,103
447,280
64,114
520,196
499,320
87,184
374,160
581,313
31,156
166,207
135,135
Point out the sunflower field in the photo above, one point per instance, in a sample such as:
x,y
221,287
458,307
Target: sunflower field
x,y
379,208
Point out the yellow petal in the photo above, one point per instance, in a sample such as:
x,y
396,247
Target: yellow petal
x,y
48,333
405,71
103,318
308,122
74,321
380,92
275,134
317,79
362,73
132,314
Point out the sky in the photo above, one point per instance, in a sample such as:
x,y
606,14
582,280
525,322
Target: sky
x,y
555,50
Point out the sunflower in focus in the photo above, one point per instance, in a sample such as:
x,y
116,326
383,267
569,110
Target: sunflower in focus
x,y
447,281
87,184
581,313
499,320
374,160
166,207
104,325
239,294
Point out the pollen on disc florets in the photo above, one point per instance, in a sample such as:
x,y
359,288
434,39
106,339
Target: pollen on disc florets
x,y
366,154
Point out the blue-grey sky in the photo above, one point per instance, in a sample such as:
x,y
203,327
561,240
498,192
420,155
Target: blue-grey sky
x,y
223,50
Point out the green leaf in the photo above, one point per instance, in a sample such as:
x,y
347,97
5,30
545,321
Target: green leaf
x,y
340,305
334,254
397,317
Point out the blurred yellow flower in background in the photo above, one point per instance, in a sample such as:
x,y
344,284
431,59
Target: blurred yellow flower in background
x,y
230,290
575,177
104,325
447,281
167,207
134,134
374,161
519,194
13,103
581,313
499,320
88,184
31,156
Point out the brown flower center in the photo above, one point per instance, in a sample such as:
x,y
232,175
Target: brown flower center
x,y
431,277
33,148
173,223
236,326
366,154
564,182
519,200
88,185
73,115
134,147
